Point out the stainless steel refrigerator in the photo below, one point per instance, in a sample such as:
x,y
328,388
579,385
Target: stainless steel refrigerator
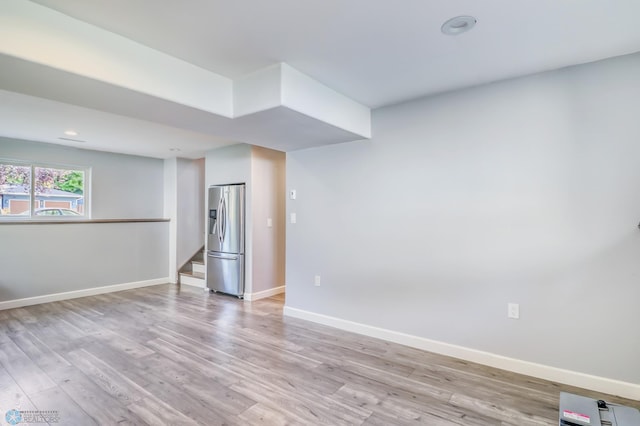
x,y
225,239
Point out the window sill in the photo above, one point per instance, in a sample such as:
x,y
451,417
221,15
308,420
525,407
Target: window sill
x,y
74,221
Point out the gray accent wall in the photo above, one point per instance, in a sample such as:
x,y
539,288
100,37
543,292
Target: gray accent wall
x,y
524,191
122,186
37,260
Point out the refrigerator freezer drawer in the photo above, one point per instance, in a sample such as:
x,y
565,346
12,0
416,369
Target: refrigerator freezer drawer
x,y
225,273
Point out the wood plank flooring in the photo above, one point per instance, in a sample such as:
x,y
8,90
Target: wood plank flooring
x,y
167,355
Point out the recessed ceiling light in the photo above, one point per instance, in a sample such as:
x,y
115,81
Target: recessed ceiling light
x,y
71,133
458,25
174,149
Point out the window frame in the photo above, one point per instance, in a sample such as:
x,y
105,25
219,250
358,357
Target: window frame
x,y
86,215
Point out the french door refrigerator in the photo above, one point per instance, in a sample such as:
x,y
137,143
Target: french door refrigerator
x,y
225,239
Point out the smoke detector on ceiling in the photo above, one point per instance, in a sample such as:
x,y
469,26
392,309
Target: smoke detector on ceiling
x,y
458,25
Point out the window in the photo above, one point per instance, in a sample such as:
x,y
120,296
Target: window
x,y
39,190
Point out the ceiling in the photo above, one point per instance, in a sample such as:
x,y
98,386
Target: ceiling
x,y
375,52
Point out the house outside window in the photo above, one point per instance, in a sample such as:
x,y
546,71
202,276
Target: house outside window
x,y
42,191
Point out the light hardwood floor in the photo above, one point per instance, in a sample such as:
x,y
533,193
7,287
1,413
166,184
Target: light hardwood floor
x,y
167,355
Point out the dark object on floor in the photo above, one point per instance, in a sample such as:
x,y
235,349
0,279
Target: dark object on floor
x,y
576,410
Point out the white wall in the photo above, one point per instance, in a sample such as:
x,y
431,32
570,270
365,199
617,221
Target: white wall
x,y
37,260
190,204
171,212
522,191
268,177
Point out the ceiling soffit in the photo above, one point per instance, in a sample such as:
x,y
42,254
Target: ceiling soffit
x,y
48,54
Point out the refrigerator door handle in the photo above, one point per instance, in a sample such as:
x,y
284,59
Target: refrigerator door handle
x,y
223,225
219,221
222,256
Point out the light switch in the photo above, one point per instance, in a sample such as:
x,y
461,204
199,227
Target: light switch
x,y
293,218
269,222
292,194
513,310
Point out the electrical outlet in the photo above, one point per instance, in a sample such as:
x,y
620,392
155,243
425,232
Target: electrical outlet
x,y
269,222
513,310
316,281
294,218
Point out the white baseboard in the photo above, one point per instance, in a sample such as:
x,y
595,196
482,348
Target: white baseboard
x,y
192,281
18,303
263,294
573,378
